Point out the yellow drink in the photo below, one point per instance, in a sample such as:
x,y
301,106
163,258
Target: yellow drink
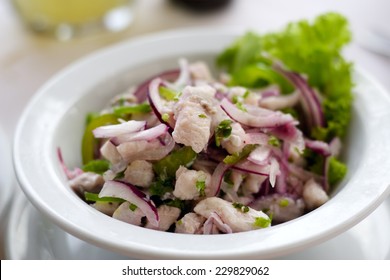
x,y
47,15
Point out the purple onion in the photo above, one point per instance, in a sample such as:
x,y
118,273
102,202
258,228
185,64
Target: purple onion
x,y
133,195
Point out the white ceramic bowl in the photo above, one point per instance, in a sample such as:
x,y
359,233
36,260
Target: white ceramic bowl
x,y
55,118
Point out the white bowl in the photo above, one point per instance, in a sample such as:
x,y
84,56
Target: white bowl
x,y
55,118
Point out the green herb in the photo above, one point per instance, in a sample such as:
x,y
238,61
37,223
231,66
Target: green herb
x,y
169,94
261,222
227,178
95,198
176,203
241,207
120,175
238,101
165,117
98,166
273,141
223,130
236,157
160,187
284,202
180,222
89,143
124,111
201,186
133,207
166,167
202,116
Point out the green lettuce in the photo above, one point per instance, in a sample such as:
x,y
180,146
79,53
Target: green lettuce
x,y
310,48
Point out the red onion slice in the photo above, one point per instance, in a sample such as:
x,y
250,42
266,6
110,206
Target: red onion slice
x,y
310,99
255,117
108,131
274,171
184,76
70,174
131,194
147,150
148,134
249,167
260,155
142,90
335,146
216,179
215,220
157,104
319,147
256,138
290,134
280,101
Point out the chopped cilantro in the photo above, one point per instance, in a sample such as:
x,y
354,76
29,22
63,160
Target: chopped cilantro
x,y
241,207
201,186
262,222
175,203
133,207
237,100
223,130
273,141
202,116
240,106
165,117
160,187
227,177
284,202
236,157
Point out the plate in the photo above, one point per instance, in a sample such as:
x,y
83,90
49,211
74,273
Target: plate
x,y
6,172
367,240
58,110
6,184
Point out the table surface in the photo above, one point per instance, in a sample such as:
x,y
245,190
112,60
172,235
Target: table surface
x,y
28,60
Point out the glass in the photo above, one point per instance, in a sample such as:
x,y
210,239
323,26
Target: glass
x,y
66,19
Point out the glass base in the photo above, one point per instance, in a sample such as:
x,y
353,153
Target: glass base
x,y
68,24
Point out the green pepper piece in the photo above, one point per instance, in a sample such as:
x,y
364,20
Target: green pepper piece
x,y
89,143
166,167
94,197
123,111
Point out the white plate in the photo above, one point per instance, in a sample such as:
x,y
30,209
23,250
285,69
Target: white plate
x,y
6,172
58,111
369,239
7,179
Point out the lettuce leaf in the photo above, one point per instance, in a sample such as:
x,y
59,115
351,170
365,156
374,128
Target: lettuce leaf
x,y
313,49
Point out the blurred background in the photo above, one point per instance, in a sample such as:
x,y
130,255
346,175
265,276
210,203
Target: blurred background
x,y
28,59
33,47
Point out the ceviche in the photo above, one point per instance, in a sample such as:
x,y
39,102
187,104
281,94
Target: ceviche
x,y
258,144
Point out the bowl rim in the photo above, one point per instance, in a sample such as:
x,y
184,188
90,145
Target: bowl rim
x,y
36,174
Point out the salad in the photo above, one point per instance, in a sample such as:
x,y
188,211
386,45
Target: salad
x,y
190,152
